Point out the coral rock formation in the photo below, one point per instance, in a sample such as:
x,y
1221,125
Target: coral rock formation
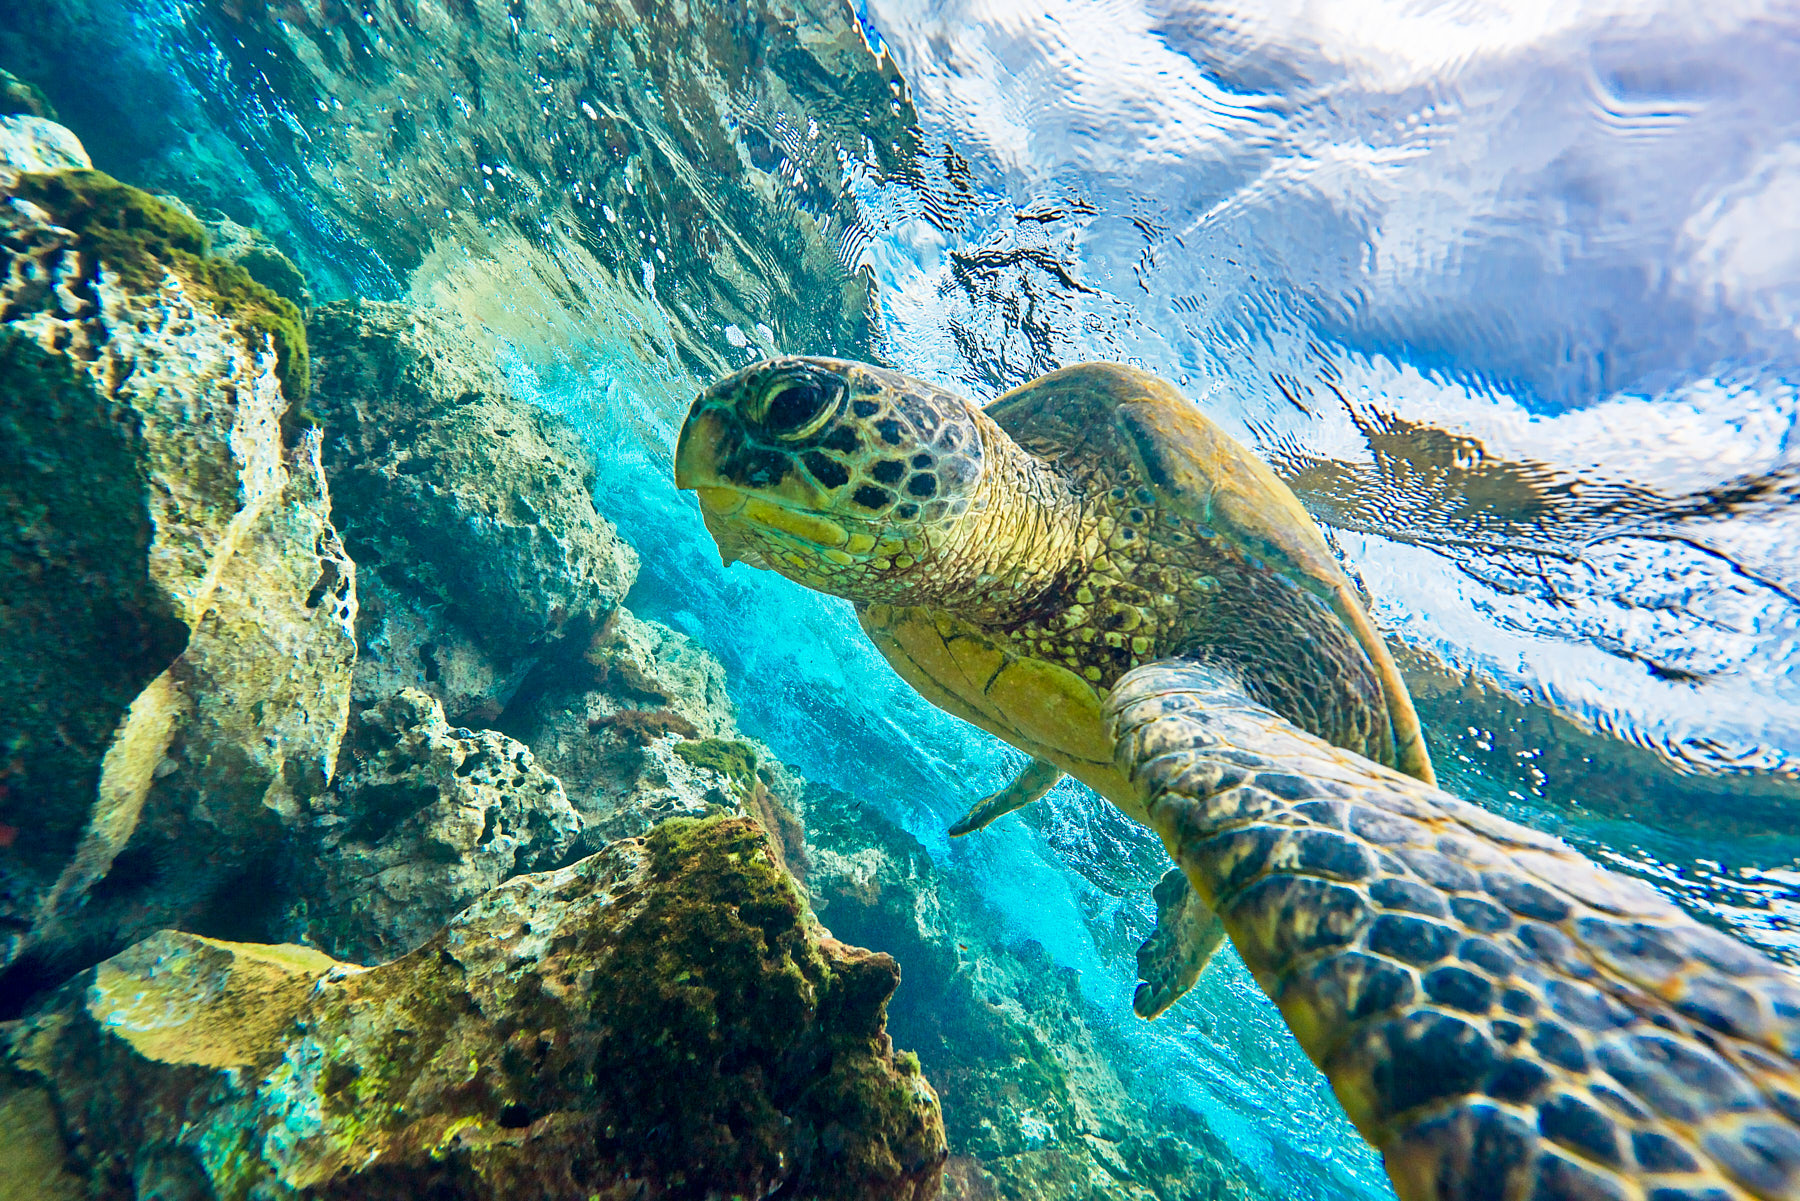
x,y
660,1020
421,820
169,563
473,510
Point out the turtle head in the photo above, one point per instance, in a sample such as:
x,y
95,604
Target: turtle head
x,y
844,477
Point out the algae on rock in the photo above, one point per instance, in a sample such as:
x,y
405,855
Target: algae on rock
x,y
662,1019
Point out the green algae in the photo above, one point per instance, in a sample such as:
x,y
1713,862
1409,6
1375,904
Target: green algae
x,y
711,1047
736,761
140,238
276,272
667,1012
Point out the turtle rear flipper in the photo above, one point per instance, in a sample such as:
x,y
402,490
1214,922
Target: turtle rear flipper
x,y
1499,1016
1186,936
1029,785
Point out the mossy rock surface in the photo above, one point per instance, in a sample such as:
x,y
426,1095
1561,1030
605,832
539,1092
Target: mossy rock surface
x,y
74,547
140,238
731,758
180,606
19,96
663,1020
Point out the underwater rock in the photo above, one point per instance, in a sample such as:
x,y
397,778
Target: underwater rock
x,y
662,1019
612,726
171,568
37,144
252,250
472,508
20,97
1033,1108
421,820
640,729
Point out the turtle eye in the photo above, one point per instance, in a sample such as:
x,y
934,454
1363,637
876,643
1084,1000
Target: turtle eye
x,y
798,406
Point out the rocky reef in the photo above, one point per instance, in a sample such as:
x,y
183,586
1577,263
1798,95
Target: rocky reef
x,y
661,1019
372,994
180,609
471,516
421,820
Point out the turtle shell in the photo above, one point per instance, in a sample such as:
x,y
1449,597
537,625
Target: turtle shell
x,y
1105,421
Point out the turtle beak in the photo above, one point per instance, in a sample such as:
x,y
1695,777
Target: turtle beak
x,y
733,546
695,467
696,471
788,503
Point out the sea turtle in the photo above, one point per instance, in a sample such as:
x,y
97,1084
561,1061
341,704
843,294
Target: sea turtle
x,y
1093,571
1012,563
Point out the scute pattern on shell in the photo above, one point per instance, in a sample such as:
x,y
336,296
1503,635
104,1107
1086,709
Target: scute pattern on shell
x,y
1501,1017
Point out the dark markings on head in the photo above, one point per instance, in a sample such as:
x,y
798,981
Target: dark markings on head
x,y
761,468
865,408
829,472
843,438
871,497
922,460
888,471
922,486
890,431
907,511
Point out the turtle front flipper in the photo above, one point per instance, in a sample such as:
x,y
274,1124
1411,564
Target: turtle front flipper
x,y
1499,1016
1186,936
1029,785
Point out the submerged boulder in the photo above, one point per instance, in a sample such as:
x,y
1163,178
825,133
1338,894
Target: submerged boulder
x,y
662,1019
472,508
613,722
421,820
177,610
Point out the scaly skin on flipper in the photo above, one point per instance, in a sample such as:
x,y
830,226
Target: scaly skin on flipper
x,y
1500,1017
1037,778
